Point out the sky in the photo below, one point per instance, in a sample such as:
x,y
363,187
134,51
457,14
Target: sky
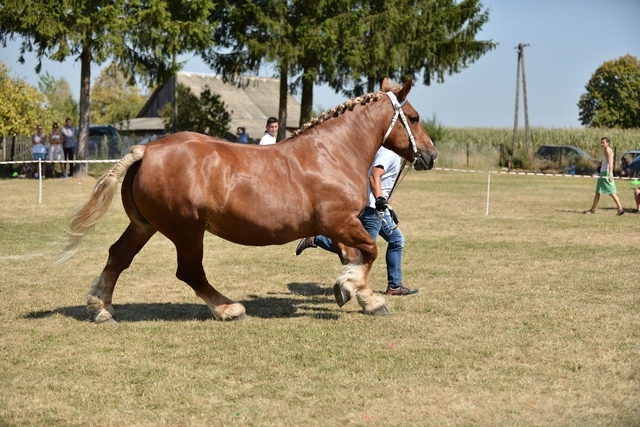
x,y
568,40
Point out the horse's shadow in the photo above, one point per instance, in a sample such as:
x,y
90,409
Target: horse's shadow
x,y
274,305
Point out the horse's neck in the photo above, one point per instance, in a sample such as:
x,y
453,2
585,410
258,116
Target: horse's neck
x,y
357,133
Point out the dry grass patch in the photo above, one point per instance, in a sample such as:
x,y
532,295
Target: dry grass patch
x,y
526,317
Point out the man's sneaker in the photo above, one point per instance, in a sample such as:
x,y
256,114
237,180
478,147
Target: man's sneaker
x,y
401,291
307,242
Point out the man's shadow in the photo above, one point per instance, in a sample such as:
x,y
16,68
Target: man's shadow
x,y
273,305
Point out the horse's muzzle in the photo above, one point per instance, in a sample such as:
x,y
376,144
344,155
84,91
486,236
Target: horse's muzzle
x,y
425,162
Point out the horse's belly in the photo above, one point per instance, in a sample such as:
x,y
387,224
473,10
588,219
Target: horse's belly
x,y
258,228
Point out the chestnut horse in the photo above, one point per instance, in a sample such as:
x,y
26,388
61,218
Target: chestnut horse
x,y
315,182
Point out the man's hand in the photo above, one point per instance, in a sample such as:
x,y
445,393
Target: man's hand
x,y
381,204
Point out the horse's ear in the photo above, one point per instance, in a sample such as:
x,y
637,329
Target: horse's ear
x,y
402,95
385,86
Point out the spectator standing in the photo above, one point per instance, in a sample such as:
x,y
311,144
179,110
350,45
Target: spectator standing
x,y
271,132
243,136
376,219
38,149
69,144
56,153
606,184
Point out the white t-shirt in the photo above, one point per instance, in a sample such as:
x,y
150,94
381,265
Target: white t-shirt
x,y
390,162
267,139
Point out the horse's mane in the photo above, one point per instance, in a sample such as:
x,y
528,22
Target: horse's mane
x,y
340,109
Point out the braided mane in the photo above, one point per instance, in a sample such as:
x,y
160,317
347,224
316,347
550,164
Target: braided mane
x,y
340,109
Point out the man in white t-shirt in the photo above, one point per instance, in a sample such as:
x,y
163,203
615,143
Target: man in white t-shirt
x,y
271,132
376,219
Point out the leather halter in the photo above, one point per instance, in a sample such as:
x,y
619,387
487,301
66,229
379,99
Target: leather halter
x,y
397,107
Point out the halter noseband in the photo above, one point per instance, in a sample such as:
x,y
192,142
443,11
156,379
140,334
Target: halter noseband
x,y
397,107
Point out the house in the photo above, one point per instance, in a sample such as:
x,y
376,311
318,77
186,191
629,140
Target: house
x,y
250,106
141,126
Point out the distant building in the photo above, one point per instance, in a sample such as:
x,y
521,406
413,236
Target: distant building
x,y
250,106
141,126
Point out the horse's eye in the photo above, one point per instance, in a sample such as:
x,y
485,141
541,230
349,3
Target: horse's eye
x,y
414,120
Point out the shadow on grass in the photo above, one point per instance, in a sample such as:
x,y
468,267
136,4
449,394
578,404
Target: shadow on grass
x,y
273,305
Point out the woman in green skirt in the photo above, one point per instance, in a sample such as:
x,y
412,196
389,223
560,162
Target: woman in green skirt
x,y
606,184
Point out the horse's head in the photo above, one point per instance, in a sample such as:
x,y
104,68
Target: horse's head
x,y
407,136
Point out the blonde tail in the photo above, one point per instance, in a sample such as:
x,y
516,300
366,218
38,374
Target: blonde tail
x,y
87,215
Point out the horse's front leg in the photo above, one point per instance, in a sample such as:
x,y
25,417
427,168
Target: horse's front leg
x,y
355,276
189,247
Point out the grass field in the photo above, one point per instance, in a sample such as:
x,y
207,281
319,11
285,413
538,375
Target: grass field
x,y
529,316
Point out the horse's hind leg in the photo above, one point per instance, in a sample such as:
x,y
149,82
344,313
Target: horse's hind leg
x,y
190,271
121,253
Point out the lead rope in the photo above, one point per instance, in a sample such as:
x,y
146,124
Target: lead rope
x,y
397,106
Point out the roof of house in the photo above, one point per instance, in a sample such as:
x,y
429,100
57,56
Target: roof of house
x,y
141,124
250,105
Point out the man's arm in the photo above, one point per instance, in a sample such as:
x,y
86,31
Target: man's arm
x,y
375,181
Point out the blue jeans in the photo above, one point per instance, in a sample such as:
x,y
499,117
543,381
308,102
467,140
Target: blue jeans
x,y
384,228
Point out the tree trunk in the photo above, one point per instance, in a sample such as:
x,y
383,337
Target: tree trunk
x,y
306,102
81,169
282,106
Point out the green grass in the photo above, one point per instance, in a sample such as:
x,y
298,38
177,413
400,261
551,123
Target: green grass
x,y
526,317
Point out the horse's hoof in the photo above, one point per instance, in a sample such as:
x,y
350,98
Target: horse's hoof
x,y
382,311
342,297
242,318
109,321
104,317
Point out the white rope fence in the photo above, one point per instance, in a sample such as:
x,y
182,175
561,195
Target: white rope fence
x,y
489,173
40,162
634,180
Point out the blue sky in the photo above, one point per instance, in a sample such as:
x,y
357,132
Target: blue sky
x,y
568,40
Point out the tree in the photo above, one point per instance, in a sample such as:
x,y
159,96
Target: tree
x,y
206,114
21,108
612,99
60,103
250,33
139,36
349,44
113,98
399,39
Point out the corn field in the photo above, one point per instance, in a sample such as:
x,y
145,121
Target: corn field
x,y
587,139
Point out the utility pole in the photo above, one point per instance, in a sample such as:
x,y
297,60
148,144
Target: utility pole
x,y
520,49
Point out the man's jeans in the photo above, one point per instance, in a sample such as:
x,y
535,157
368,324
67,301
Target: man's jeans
x,y
384,228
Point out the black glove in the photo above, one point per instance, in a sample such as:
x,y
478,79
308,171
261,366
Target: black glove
x,y
381,204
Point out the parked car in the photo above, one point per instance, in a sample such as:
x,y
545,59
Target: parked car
x,y
104,140
630,155
561,154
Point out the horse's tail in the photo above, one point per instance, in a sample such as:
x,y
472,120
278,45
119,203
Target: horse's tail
x,y
87,215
